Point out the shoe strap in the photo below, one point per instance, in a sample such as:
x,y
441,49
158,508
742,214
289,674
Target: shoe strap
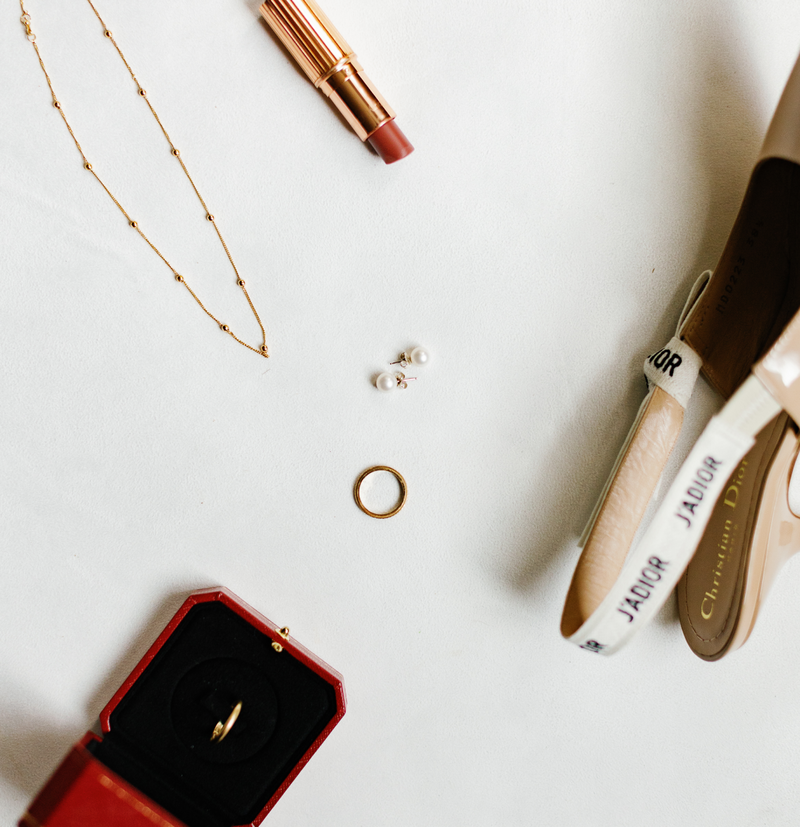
x,y
674,369
656,564
600,583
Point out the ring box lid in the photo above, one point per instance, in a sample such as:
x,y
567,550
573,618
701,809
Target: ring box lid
x,y
157,728
82,791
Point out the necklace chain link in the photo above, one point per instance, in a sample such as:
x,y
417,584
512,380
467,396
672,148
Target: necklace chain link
x,y
262,350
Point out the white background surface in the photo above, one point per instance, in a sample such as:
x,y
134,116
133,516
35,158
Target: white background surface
x,y
577,165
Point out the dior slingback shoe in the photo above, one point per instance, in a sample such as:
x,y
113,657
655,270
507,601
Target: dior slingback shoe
x,y
744,313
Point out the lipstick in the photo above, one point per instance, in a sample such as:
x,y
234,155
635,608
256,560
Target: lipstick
x,y
331,65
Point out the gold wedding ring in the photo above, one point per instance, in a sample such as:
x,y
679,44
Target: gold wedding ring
x,y
403,491
221,730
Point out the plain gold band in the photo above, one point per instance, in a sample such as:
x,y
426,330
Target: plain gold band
x,y
403,491
221,730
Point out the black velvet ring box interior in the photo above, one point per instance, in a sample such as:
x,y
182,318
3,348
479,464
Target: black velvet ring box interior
x,y
215,653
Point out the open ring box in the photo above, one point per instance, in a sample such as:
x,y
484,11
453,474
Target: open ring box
x,y
156,765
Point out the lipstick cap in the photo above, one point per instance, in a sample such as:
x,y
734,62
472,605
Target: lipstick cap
x,y
330,63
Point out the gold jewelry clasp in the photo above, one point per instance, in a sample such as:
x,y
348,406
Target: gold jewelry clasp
x,y
26,22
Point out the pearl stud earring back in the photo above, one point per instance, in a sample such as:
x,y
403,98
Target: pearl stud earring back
x,y
418,356
390,381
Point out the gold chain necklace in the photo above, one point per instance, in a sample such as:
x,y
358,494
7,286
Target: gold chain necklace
x,y
262,350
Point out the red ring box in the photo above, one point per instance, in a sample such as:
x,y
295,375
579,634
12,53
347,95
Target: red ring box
x,y
156,766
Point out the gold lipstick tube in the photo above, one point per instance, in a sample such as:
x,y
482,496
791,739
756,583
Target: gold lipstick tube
x,y
331,65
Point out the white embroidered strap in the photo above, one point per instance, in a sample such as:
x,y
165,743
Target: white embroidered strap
x,y
674,369
654,568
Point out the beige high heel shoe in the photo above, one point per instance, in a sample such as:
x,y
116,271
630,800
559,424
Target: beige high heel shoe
x,y
732,320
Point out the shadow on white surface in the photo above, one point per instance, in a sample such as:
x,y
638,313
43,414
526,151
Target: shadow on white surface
x,y
32,745
723,160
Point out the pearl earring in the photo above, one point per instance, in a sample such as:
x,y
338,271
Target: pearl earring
x,y
418,356
390,381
